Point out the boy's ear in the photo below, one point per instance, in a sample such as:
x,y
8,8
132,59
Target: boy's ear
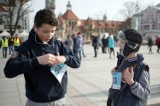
x,y
34,27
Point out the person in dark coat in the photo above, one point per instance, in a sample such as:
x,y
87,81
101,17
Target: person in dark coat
x,y
158,43
150,44
10,45
104,44
43,61
95,44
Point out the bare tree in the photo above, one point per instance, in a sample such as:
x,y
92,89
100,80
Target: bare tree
x,y
14,11
130,8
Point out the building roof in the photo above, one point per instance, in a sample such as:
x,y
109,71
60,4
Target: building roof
x,y
69,15
100,24
158,5
138,14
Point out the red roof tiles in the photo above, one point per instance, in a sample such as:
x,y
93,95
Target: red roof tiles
x,y
69,15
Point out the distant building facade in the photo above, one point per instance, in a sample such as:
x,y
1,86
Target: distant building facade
x,y
70,24
148,22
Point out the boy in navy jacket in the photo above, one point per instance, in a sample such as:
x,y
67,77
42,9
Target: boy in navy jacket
x,y
34,59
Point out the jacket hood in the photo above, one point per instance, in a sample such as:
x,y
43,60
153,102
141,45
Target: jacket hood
x,y
138,58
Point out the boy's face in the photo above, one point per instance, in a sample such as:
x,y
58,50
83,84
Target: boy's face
x,y
46,32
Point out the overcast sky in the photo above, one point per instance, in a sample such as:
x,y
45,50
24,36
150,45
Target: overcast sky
x,y
94,8
91,8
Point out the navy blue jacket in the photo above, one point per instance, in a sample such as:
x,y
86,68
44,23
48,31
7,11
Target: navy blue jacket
x,y
40,83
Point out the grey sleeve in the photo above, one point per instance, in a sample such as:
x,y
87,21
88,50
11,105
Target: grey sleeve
x,y
141,87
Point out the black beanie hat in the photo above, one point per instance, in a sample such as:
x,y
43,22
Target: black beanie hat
x,y
134,40
133,36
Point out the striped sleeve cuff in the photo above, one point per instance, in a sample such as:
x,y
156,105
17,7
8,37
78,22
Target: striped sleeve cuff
x,y
134,85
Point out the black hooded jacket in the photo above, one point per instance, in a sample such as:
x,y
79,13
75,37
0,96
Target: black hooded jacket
x,y
40,83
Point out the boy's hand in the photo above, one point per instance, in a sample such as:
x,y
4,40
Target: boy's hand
x,y
128,76
59,59
114,69
46,59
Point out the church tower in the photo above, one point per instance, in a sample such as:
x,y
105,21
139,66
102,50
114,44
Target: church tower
x,y
69,6
105,17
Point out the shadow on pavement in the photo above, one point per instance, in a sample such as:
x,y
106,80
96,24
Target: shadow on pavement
x,y
155,91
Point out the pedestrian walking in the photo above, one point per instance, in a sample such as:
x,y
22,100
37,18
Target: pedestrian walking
x,y
95,44
111,46
83,54
104,44
17,42
74,42
10,44
150,44
158,43
4,43
78,45
69,42
43,60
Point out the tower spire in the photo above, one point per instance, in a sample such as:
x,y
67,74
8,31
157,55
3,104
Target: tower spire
x,y
69,6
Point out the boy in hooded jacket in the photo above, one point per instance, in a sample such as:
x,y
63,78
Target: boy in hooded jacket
x,y
34,59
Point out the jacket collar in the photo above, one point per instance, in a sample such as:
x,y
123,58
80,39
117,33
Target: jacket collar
x,y
33,37
138,58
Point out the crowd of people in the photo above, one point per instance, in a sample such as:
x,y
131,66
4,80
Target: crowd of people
x,y
75,43
9,44
107,42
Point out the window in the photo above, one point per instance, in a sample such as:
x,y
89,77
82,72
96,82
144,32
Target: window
x,y
97,30
70,23
146,27
153,26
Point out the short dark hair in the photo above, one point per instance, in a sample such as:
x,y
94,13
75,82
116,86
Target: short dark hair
x,y
45,16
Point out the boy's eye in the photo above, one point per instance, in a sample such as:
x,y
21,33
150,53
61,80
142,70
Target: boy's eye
x,y
52,31
45,31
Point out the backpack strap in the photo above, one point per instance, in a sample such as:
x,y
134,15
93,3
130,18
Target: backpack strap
x,y
139,71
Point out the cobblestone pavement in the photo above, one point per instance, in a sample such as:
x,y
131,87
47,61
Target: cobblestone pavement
x,y
88,85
